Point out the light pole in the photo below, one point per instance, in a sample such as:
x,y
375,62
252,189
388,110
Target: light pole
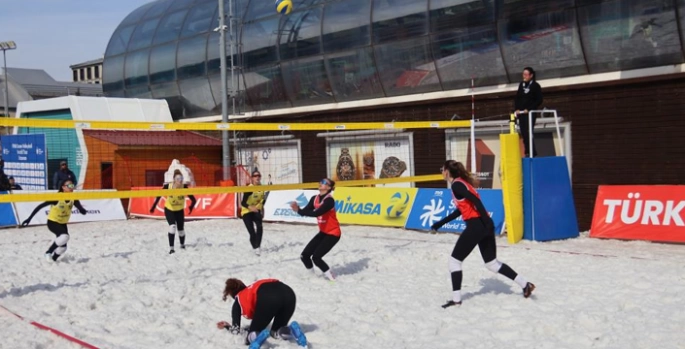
x,y
7,45
224,98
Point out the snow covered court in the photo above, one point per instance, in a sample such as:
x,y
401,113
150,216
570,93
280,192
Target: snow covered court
x,y
118,288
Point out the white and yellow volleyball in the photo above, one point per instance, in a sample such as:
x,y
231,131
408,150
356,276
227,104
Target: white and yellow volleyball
x,y
284,7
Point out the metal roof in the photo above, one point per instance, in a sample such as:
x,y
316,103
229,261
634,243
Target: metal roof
x,y
87,63
154,138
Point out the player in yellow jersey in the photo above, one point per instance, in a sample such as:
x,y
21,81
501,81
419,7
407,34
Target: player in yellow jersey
x,y
252,212
174,211
58,217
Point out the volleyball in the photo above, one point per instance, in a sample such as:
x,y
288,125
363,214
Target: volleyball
x,y
398,204
284,7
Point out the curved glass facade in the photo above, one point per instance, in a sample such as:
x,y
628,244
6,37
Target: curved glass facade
x,y
329,51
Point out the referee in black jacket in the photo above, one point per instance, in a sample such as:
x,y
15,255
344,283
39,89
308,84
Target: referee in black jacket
x,y
528,97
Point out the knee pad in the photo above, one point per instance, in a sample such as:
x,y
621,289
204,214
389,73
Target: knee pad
x,y
454,264
62,240
181,233
172,229
251,337
493,265
60,250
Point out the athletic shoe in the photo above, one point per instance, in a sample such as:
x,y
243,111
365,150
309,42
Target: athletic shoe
x,y
183,247
528,290
261,338
283,333
258,251
172,251
451,304
48,257
298,334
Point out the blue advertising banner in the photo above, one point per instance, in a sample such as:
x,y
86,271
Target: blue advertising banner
x,y
432,205
6,213
25,159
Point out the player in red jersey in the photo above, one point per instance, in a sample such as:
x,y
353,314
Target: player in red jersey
x,y
322,207
480,230
263,301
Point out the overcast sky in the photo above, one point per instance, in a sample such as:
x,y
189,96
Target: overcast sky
x,y
54,34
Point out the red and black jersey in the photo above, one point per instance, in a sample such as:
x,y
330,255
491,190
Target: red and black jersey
x,y
328,222
247,298
467,208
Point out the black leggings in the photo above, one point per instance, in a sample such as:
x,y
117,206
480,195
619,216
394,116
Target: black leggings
x,y
316,249
523,128
275,301
57,228
475,234
252,220
175,217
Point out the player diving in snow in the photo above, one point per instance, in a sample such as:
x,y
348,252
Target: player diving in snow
x,y
263,301
480,230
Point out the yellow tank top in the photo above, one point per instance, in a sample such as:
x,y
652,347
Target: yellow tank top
x,y
61,212
256,199
175,202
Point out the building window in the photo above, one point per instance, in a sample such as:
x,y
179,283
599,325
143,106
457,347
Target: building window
x,y
81,74
90,73
75,72
97,71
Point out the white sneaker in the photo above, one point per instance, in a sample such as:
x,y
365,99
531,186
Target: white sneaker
x,y
258,251
48,257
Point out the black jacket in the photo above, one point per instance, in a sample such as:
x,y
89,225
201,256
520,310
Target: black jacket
x,y
61,176
528,96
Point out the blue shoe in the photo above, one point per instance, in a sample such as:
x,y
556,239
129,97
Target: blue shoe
x,y
261,338
298,334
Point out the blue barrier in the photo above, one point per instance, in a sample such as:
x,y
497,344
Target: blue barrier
x,y
432,205
549,212
7,217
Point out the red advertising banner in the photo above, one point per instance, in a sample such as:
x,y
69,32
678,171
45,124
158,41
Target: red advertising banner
x,y
207,206
640,212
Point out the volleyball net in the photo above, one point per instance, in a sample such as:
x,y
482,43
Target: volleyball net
x,y
122,160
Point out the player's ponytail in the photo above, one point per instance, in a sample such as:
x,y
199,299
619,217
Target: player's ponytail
x,y
233,286
458,170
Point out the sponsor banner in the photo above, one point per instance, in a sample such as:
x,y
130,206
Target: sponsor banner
x,y
640,212
277,206
207,206
432,205
25,159
371,158
7,217
374,206
98,210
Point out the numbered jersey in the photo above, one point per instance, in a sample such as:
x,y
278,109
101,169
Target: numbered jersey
x,y
255,199
175,202
61,212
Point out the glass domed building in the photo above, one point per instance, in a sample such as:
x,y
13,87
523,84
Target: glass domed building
x,y
344,51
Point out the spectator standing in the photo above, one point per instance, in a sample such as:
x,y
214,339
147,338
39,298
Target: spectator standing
x,y
63,174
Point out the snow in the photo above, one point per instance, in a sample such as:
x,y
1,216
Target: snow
x,y
118,288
